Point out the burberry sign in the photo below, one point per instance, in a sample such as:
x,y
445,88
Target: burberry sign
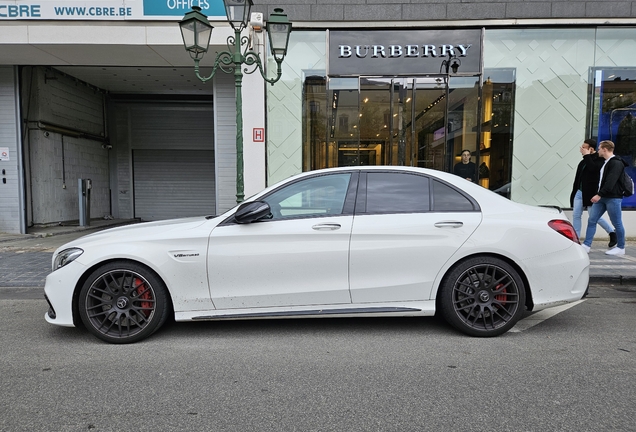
x,y
362,51
406,52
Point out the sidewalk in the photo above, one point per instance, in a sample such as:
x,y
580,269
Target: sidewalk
x,y
25,259
615,270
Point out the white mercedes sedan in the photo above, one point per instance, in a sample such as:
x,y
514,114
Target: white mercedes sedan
x,y
354,242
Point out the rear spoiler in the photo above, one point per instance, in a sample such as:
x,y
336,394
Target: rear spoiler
x,y
554,207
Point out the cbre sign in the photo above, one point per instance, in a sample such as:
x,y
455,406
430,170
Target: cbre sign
x,y
405,52
107,10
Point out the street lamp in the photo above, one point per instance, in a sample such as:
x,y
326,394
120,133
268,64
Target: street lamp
x,y
453,63
196,32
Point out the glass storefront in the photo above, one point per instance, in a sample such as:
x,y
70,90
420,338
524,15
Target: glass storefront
x,y
613,114
522,116
416,121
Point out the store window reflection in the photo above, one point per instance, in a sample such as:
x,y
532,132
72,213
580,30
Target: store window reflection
x,y
497,130
316,153
412,121
613,114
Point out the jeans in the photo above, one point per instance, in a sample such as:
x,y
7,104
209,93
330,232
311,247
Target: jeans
x,y
613,208
577,211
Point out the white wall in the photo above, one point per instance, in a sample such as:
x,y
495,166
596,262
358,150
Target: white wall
x,y
306,51
10,213
552,68
254,117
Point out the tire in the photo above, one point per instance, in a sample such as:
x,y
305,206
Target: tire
x,y
482,296
123,302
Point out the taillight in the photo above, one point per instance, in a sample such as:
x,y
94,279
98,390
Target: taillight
x,y
564,228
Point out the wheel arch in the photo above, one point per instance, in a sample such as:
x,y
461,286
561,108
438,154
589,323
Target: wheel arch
x,y
77,321
529,302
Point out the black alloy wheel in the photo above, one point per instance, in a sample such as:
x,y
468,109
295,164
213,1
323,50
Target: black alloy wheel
x,y
483,296
123,302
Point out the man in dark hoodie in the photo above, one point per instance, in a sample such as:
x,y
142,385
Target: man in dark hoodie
x,y
608,198
585,187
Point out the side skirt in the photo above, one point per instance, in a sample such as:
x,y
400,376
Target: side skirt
x,y
419,308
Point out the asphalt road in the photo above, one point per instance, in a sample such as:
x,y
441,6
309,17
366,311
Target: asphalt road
x,y
575,371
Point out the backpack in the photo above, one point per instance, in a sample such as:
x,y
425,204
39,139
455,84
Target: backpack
x,y
626,184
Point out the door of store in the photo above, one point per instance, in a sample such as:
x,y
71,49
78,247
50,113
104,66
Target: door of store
x,y
424,122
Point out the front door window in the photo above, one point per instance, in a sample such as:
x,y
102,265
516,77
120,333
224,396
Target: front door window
x,y
314,197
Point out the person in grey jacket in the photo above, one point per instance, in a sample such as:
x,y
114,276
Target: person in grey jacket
x,y
608,198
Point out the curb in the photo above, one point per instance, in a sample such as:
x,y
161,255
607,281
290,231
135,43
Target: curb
x,y
14,237
72,229
613,280
69,231
62,231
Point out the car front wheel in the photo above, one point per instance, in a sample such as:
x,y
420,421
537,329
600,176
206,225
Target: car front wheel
x,y
482,296
123,302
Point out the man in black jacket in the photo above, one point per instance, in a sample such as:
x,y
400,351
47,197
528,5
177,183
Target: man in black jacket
x,y
585,187
466,169
608,198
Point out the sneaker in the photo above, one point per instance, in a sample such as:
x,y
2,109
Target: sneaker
x,y
615,251
586,247
612,241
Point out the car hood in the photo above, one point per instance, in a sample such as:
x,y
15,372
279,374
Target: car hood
x,y
142,231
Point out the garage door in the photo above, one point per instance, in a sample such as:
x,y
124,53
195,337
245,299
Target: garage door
x,y
173,183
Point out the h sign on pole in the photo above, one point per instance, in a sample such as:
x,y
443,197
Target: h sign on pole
x,y
259,134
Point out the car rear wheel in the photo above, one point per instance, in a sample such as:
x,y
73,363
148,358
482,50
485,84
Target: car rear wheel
x,y
482,296
123,302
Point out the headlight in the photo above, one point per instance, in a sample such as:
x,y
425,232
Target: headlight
x,y
65,257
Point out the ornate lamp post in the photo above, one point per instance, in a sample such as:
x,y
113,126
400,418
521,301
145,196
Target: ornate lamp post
x,y
196,32
453,63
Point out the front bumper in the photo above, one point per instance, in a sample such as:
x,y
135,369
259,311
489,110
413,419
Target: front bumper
x,y
59,290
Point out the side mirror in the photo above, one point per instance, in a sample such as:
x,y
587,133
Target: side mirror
x,y
251,212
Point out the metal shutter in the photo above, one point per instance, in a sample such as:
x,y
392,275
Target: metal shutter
x,y
173,183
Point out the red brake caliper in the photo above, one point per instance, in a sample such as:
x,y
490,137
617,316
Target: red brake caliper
x,y
501,297
147,306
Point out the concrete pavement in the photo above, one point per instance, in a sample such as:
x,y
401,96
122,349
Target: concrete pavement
x,y
25,260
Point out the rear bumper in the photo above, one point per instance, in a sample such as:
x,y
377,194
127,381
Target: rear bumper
x,y
559,277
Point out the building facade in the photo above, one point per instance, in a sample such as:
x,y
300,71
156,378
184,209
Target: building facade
x,y
113,97
105,91
518,84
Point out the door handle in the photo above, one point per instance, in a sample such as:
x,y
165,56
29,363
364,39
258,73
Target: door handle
x,y
449,224
326,227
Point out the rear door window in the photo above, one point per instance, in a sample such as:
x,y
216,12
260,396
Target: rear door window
x,y
397,193
448,199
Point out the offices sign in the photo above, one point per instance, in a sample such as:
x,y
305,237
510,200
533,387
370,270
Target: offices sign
x,y
109,10
404,52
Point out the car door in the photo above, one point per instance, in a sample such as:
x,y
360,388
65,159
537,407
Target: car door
x,y
405,228
298,257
